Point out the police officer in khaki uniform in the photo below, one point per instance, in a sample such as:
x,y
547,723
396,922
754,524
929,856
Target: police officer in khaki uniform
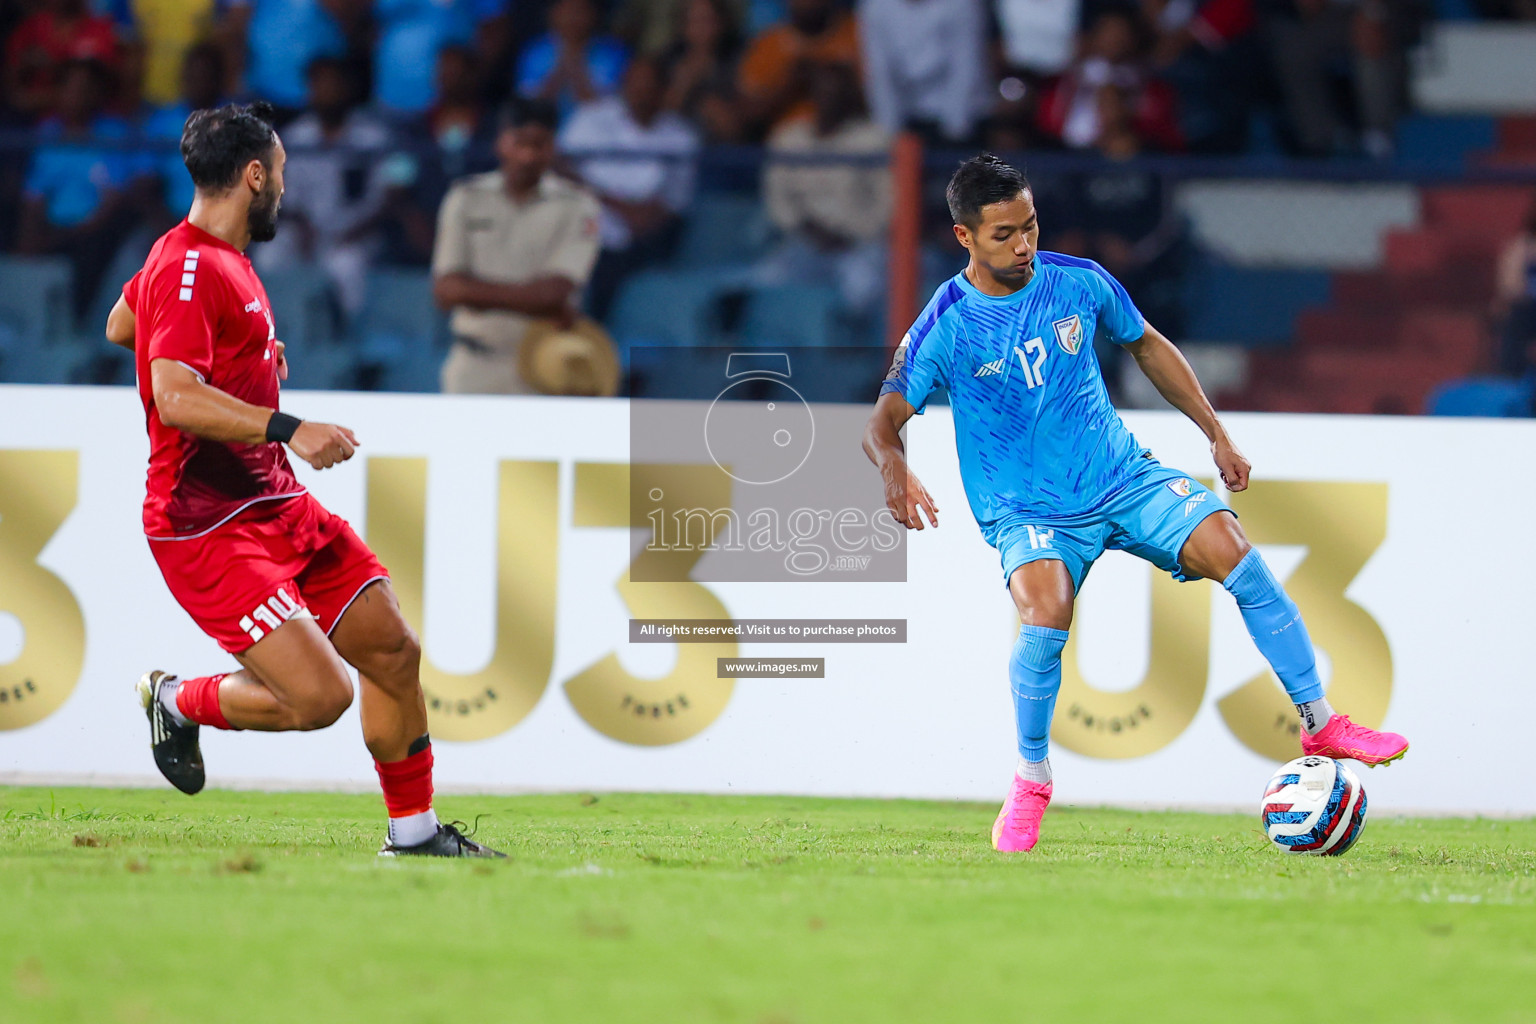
x,y
514,246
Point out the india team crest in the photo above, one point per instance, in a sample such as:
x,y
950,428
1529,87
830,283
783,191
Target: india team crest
x,y
1069,334
1179,487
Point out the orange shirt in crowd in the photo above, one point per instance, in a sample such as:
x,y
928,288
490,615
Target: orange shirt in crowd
x,y
770,60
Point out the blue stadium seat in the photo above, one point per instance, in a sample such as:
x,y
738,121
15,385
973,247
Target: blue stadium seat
x,y
401,330
1456,10
1423,140
35,297
1482,396
321,368
301,302
791,315
101,362
721,230
1249,306
667,307
25,360
129,258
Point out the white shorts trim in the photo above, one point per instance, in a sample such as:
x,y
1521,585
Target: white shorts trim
x,y
221,522
370,581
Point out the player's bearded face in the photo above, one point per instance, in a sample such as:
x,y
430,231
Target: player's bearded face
x,y
261,218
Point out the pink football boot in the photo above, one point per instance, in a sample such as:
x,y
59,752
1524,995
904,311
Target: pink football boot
x,y
1342,738
1018,824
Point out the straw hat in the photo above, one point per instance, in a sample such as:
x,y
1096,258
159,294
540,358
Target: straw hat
x,y
578,360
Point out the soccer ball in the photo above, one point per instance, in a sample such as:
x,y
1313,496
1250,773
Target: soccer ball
x,y
1313,805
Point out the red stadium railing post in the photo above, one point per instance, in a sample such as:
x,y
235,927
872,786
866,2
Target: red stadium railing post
x,y
906,235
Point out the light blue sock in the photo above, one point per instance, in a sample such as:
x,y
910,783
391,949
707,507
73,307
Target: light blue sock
x,y
1035,674
1274,622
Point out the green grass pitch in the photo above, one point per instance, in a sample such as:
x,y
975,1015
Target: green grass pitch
x,y
147,906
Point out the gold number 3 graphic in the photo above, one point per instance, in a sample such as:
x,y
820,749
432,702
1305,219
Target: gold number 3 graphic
x,y
1342,525
38,490
478,705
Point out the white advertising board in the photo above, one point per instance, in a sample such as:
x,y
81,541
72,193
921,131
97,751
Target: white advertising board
x,y
1406,542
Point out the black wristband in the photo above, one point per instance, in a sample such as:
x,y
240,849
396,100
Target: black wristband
x,y
281,426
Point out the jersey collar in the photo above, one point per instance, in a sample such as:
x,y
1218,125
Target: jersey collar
x,y
203,237
1003,300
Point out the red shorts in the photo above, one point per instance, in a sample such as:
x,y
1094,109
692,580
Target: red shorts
x,y
271,562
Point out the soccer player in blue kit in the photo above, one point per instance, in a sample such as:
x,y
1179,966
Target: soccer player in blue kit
x,y
1053,476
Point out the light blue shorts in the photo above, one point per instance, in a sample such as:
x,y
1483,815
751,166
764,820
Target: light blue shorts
x,y
1151,517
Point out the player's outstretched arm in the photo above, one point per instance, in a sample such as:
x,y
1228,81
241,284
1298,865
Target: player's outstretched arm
x,y
184,402
1168,370
120,324
904,492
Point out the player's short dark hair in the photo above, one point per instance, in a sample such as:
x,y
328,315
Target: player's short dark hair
x,y
219,142
981,181
521,110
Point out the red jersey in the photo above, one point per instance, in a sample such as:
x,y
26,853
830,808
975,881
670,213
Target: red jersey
x,y
198,301
88,37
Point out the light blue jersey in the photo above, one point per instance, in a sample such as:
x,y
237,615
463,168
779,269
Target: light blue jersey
x,y
1034,426
1049,467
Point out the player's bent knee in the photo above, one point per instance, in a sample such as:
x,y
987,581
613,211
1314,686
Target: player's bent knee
x,y
1215,548
1046,615
1042,595
323,708
395,656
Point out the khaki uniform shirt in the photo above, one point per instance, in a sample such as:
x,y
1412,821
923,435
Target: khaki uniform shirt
x,y
850,200
483,233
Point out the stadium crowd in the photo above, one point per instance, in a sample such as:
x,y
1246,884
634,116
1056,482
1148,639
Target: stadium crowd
x,y
383,104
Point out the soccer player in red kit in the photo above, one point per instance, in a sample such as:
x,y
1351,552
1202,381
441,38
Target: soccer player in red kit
x,y
283,585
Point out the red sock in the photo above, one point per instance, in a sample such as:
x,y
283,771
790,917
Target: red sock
x,y
198,700
407,784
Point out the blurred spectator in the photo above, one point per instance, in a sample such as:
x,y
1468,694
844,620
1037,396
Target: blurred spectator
x,y
202,86
127,96
701,66
82,195
275,41
1515,300
1208,52
926,66
1120,214
513,246
1112,55
164,31
832,216
775,71
333,192
1308,38
571,63
1180,25
1038,36
59,32
457,120
435,149
642,194
410,35
656,27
